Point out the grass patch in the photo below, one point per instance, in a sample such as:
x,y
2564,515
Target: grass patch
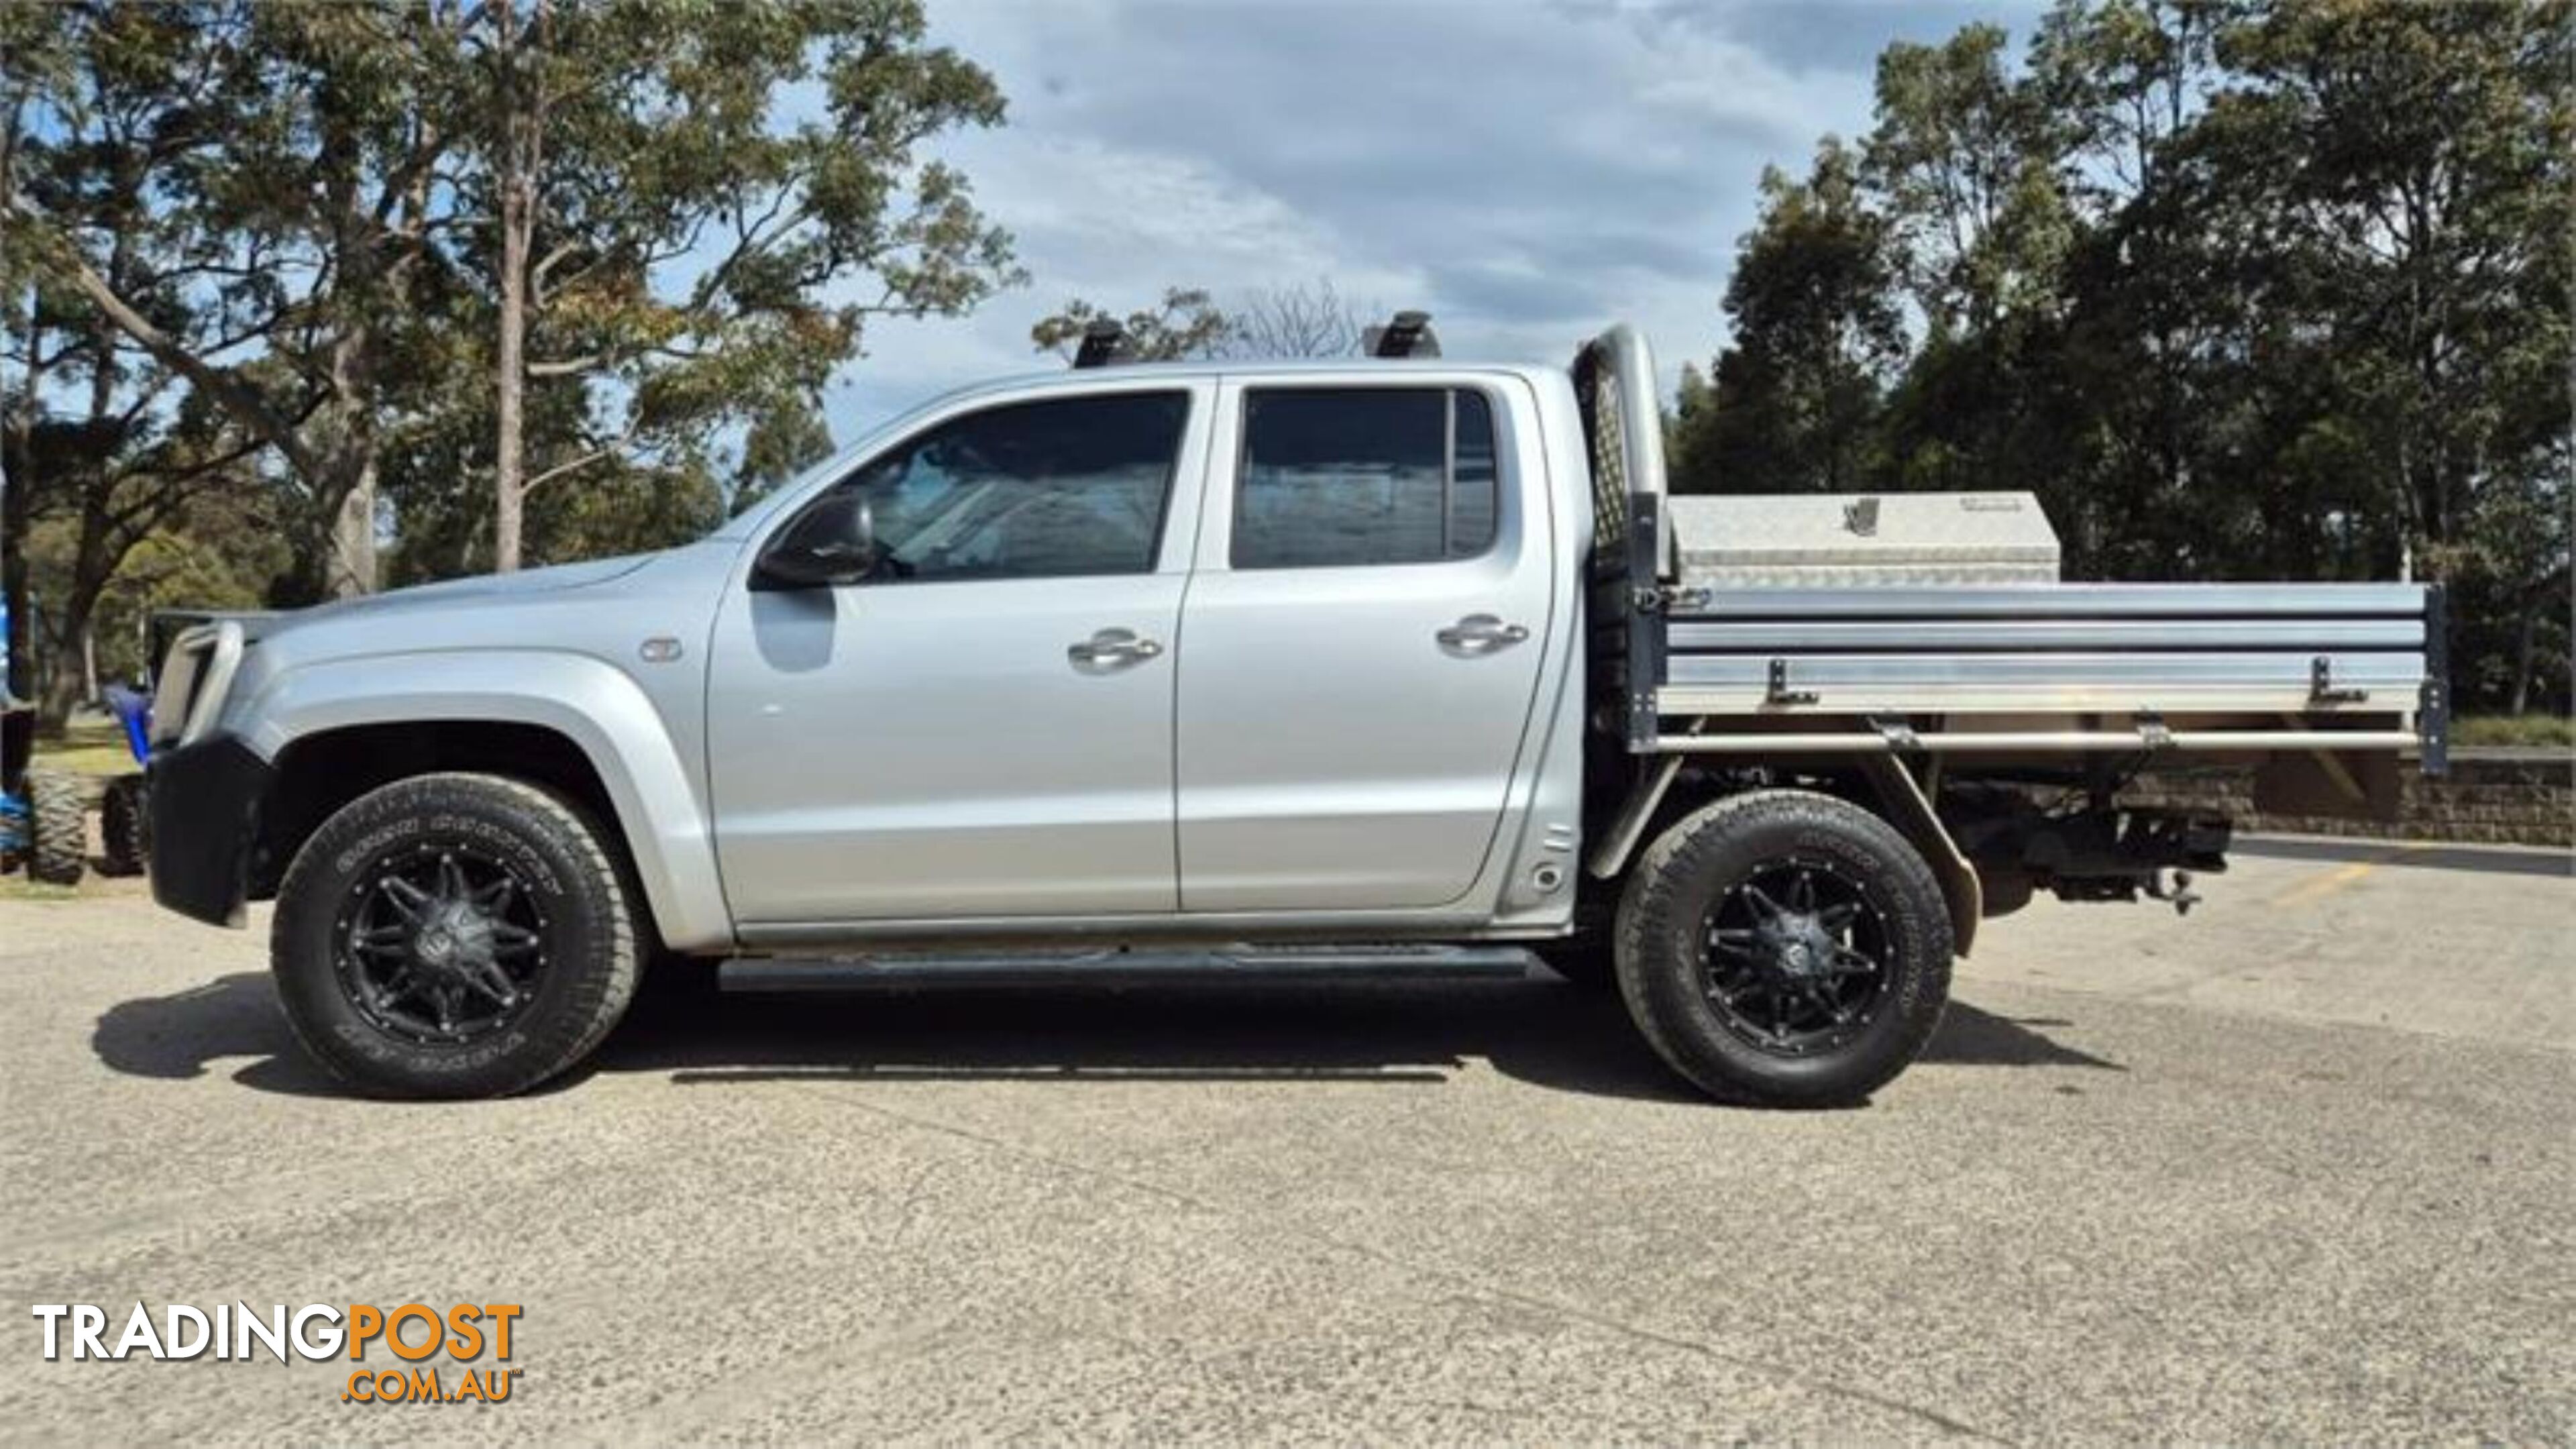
x,y
89,745
19,888
87,759
2506,729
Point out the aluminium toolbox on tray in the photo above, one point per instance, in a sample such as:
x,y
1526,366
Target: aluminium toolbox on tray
x,y
1828,540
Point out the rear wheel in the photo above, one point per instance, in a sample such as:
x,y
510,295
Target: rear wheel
x,y
1785,948
453,935
57,829
124,827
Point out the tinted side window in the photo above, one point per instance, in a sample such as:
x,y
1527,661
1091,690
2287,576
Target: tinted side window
x,y
1343,476
1026,490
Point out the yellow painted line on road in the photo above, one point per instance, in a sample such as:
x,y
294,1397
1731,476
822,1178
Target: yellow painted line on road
x,y
2332,881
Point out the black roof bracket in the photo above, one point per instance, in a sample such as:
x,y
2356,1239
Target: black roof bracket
x,y
1103,342
1408,335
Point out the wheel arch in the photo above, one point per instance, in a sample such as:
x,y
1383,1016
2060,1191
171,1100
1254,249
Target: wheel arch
x,y
331,732
1880,785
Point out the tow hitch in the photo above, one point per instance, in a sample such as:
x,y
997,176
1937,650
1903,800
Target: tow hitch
x,y
2180,893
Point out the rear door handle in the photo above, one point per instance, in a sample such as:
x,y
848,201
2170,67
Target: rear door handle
x,y
1481,634
1114,646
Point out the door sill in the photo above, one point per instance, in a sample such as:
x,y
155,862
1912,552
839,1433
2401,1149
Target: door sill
x,y
1120,966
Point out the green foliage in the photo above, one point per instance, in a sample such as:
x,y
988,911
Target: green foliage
x,y
1186,323
254,247
726,195
2239,290
1295,320
105,446
1818,338
218,553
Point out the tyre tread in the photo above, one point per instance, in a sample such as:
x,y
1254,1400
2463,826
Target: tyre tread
x,y
124,827
57,827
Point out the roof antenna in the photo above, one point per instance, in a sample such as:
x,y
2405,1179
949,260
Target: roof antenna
x,y
1103,342
1409,335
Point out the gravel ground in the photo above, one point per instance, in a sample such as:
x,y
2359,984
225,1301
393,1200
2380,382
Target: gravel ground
x,y
2297,1167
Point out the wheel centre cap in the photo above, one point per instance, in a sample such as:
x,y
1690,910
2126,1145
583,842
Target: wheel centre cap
x,y
453,938
1797,946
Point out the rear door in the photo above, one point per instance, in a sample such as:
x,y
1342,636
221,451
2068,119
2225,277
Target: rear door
x,y
1362,640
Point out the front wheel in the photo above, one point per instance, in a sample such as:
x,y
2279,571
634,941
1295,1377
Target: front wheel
x,y
1785,948
453,935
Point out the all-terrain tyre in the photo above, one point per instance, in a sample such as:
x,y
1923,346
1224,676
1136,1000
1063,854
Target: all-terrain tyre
x,y
124,827
1784,948
57,828
453,935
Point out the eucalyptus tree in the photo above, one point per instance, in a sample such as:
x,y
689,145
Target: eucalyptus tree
x,y
286,160
2239,289
1817,339
1184,322
694,211
104,445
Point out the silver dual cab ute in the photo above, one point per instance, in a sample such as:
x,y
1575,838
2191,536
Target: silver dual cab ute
x,y
1391,665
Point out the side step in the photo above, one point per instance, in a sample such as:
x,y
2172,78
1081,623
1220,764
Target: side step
x,y
1128,967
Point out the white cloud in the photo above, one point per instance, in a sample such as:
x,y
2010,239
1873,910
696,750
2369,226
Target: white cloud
x,y
1528,172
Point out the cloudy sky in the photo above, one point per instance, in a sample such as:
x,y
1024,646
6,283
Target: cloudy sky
x,y
1525,170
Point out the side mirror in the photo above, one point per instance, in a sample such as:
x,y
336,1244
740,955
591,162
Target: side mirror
x,y
833,545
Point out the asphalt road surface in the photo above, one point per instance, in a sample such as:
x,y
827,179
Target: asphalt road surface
x,y
2297,1167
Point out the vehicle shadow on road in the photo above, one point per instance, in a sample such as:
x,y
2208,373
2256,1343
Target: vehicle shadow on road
x,y
1398,1034
183,1036
1393,1034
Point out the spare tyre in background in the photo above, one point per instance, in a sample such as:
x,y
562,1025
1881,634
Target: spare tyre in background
x,y
57,828
124,826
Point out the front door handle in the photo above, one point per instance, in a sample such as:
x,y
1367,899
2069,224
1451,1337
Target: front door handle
x,y
1114,646
1481,634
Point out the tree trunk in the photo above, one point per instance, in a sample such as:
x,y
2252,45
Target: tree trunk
x,y
352,567
2524,647
16,481
522,119
13,570
61,690
344,473
509,463
16,728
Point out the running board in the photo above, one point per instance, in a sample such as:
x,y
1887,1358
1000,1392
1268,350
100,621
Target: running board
x,y
1128,967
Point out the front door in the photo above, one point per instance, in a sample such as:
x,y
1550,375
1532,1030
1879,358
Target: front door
x,y
982,725
1364,638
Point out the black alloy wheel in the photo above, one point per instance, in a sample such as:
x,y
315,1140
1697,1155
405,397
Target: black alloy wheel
x,y
1795,956
441,944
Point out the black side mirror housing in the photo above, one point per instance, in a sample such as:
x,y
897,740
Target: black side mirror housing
x,y
796,568
811,553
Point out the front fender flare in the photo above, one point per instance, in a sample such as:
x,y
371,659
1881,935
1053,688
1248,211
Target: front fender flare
x,y
599,708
